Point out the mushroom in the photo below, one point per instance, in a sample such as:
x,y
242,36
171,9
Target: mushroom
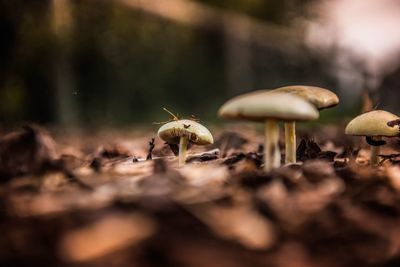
x,y
374,125
262,106
321,98
182,132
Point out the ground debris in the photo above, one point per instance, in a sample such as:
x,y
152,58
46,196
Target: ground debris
x,y
26,151
234,159
318,170
113,151
105,236
309,149
241,224
151,148
200,175
105,207
349,152
228,141
393,158
109,155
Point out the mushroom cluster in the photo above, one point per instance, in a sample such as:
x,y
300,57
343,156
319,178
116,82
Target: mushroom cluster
x,y
288,104
263,106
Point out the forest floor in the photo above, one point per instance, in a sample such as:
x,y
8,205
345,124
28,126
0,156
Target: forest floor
x,y
118,199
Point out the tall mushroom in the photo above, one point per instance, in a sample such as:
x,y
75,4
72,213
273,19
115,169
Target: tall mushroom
x,y
374,125
262,106
182,132
321,98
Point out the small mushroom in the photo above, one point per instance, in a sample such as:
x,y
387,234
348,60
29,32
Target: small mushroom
x,y
262,106
321,98
374,125
182,132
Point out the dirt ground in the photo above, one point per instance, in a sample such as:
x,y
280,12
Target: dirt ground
x,y
118,199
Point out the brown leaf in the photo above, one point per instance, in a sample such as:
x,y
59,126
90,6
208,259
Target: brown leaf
x,y
307,149
105,236
207,156
242,224
26,151
229,140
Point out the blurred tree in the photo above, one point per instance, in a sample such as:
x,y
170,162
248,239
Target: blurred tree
x,y
26,92
95,62
62,22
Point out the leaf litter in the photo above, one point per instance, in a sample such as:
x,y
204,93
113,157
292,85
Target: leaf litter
x,y
122,207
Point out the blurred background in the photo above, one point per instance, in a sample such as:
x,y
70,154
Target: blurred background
x,y
85,63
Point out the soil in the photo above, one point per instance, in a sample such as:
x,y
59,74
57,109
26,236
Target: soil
x,y
116,199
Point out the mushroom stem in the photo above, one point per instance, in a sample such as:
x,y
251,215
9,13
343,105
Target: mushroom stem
x,y
290,142
271,148
183,142
375,151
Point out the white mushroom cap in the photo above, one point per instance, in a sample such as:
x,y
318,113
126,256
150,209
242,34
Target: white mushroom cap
x,y
321,98
262,105
197,134
373,123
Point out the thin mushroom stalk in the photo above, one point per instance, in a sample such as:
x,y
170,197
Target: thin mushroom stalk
x,y
183,143
375,144
375,151
290,142
271,148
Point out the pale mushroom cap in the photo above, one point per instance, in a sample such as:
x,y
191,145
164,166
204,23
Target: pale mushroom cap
x,y
321,98
262,105
197,134
373,123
